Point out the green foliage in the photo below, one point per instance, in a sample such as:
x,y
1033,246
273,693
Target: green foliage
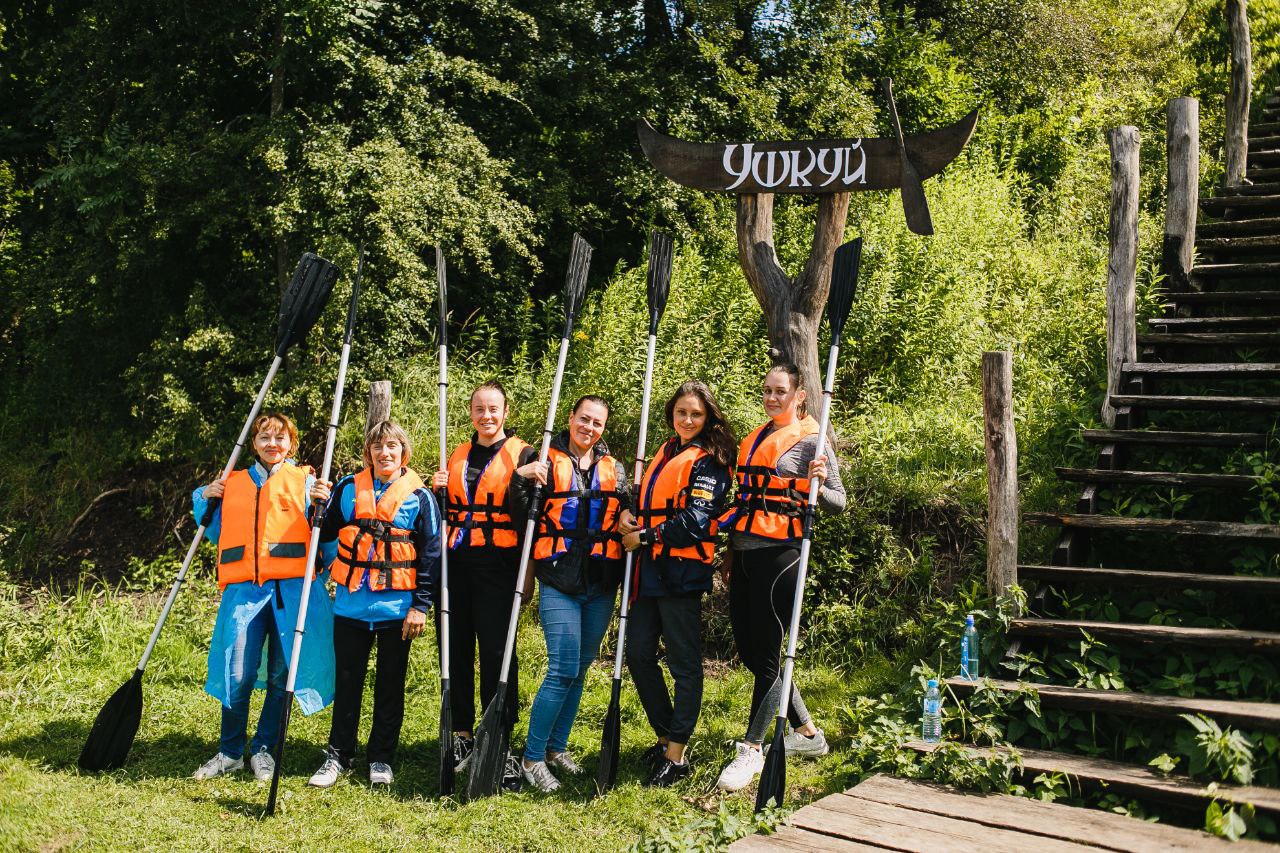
x,y
711,833
1227,753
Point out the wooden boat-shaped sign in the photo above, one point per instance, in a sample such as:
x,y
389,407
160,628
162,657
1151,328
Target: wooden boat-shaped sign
x,y
811,167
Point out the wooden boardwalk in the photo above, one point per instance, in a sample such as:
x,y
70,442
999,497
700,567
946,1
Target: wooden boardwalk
x,y
885,813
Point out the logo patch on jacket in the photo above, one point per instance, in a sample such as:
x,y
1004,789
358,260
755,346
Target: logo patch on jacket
x,y
701,494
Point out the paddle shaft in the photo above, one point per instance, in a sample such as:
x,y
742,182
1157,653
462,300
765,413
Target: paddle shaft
x,y
527,546
625,608
443,605
828,388
195,542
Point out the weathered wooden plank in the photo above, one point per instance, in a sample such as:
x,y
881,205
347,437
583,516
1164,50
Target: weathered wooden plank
x,y
1002,471
1103,829
1262,716
1243,269
1156,525
1198,401
1213,339
1122,262
1216,245
1259,188
1176,437
1156,478
1129,778
1213,297
795,838
1219,204
1250,584
1219,370
847,816
1216,324
1263,642
379,403
1182,134
1239,227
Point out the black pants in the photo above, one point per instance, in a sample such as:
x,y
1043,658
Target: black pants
x,y
352,643
762,590
480,593
678,620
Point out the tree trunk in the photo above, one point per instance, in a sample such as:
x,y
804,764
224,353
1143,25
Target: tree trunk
x,y
792,307
1238,95
277,106
379,403
657,23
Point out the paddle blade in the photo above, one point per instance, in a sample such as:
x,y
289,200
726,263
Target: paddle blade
x,y
443,285
113,731
844,283
490,755
773,779
914,204
610,739
446,740
304,299
285,713
575,282
659,284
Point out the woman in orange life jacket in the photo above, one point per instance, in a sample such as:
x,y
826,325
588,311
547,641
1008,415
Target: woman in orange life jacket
x,y
260,527
775,465
380,540
484,524
578,561
681,495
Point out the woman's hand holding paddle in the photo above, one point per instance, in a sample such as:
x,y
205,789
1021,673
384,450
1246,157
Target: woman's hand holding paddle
x,y
215,489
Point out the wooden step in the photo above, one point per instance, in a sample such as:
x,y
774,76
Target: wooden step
x,y
1208,324
1131,779
1175,437
1256,716
1250,584
1262,642
1256,188
1259,242
1265,128
1203,370
1262,269
1239,227
1167,526
1221,297
1261,175
1156,478
1165,402
1211,339
1251,203
1263,158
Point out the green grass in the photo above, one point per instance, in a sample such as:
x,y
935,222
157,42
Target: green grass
x,y
61,657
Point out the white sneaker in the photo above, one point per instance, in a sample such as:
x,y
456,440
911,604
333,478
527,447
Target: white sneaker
x,y
539,776
219,765
380,773
564,762
263,765
746,765
805,746
327,775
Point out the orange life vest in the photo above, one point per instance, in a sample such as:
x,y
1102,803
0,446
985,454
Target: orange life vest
x,y
664,492
766,504
483,520
370,542
563,518
264,529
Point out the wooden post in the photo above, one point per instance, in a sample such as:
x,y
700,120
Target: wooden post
x,y
379,403
1239,92
1183,145
1002,471
1122,263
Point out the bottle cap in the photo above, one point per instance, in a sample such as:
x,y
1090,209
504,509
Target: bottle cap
x,y
933,682
968,620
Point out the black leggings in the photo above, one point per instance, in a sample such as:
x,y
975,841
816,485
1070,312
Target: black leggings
x,y
762,588
352,643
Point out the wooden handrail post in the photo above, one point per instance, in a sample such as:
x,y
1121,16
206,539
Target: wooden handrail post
x,y
1237,153
1183,146
1122,263
1002,471
379,403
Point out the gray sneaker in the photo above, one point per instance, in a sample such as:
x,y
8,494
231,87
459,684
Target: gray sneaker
x,y
539,776
219,765
380,773
804,746
564,762
263,765
327,775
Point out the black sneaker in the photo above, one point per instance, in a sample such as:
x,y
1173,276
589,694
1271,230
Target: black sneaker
x,y
654,755
669,773
512,775
463,746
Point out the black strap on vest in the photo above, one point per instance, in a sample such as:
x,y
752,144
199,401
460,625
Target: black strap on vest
x,y
376,531
458,517
653,516
580,532
756,497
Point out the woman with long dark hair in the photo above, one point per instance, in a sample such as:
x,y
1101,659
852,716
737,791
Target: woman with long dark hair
x,y
775,465
681,495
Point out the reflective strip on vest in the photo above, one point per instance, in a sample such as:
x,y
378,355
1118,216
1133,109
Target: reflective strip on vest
x,y
562,519
482,518
370,542
264,529
766,504
664,492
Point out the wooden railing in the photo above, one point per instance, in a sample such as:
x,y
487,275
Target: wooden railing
x,y
1237,142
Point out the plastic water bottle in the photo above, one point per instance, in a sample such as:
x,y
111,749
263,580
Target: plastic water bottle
x,y
969,650
931,728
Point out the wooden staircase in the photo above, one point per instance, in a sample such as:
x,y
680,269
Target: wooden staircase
x,y
1204,393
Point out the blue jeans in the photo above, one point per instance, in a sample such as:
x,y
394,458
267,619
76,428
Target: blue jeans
x,y
245,657
573,626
